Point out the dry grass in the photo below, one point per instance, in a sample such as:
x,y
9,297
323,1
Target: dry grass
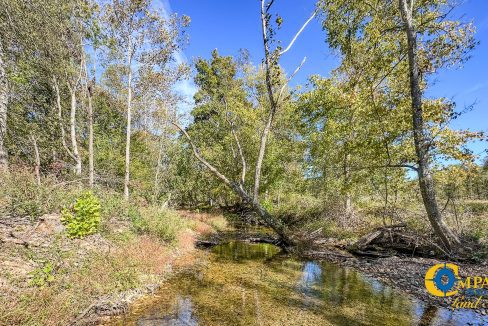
x,y
134,260
206,223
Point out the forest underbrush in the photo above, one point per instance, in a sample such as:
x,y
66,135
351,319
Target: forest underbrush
x,y
50,276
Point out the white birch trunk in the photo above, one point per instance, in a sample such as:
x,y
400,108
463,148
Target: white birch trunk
x,y
129,121
37,161
3,110
72,125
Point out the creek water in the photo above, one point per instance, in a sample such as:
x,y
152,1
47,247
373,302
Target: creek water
x,y
239,283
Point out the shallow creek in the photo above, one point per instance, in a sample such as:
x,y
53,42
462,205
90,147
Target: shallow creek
x,y
239,283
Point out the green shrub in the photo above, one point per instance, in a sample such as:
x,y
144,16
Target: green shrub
x,y
139,223
83,218
42,276
113,208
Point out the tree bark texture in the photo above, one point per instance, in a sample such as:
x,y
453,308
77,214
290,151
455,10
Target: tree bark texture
x,y
421,139
3,109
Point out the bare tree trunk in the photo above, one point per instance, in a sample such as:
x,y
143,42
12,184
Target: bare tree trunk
x,y
37,160
72,125
158,169
270,63
348,204
91,171
90,89
262,150
421,139
73,153
60,118
272,102
129,121
3,110
347,181
385,207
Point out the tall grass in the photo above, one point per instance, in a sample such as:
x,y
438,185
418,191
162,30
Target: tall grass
x,y
164,224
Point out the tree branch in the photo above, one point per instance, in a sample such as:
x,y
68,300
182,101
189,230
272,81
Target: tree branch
x,y
272,102
267,61
290,78
201,159
390,71
241,153
269,5
298,33
408,166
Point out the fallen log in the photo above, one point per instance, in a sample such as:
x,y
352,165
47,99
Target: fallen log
x,y
392,240
321,254
262,240
206,243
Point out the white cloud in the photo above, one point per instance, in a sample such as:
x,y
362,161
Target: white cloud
x,y
475,88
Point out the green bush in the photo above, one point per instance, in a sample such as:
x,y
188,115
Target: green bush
x,y
83,218
42,276
139,223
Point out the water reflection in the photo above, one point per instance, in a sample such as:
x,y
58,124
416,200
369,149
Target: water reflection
x,y
183,316
238,250
311,277
312,274
242,285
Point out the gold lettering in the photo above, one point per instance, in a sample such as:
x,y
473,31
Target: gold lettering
x,y
462,303
455,304
477,280
477,302
485,283
466,284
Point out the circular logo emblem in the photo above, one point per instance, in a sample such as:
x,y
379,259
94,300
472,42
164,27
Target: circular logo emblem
x,y
440,280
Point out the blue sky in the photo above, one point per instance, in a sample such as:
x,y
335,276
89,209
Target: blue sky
x,y
232,25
